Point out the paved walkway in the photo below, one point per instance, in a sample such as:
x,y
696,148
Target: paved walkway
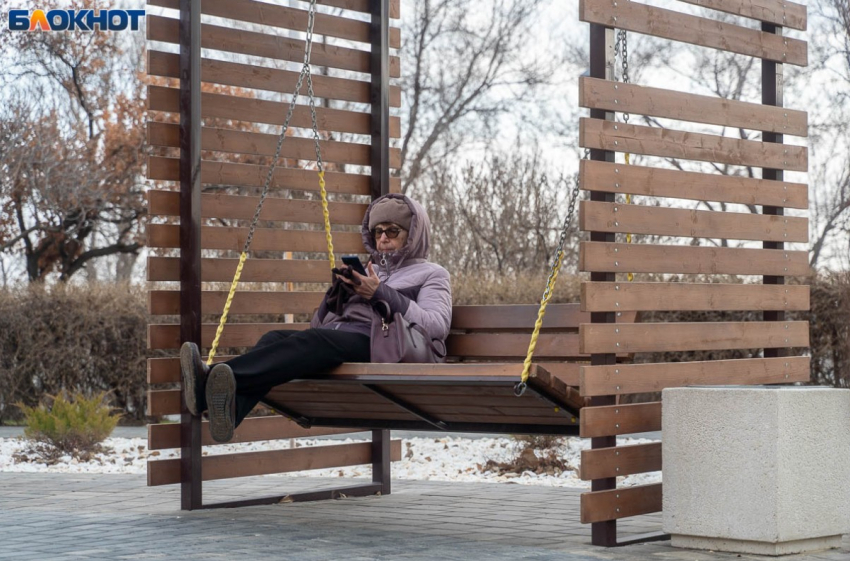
x,y
63,517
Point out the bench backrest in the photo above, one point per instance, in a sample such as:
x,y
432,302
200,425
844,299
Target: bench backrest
x,y
502,334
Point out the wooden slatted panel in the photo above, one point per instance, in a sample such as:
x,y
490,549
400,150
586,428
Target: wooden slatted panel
x,y
167,302
290,18
278,47
657,296
250,76
620,419
681,336
599,506
225,466
241,142
666,143
332,416
267,112
165,436
638,180
219,205
167,336
685,28
619,461
255,270
648,258
226,173
680,222
780,12
595,93
640,378
265,239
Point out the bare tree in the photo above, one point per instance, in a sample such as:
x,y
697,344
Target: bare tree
x,y
469,65
71,139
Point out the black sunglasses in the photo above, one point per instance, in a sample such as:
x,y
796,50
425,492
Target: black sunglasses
x,y
391,233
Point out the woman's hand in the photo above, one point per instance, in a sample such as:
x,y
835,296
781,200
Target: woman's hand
x,y
368,285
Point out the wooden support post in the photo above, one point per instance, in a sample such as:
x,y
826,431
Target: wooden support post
x,y
379,95
602,66
772,94
190,235
379,159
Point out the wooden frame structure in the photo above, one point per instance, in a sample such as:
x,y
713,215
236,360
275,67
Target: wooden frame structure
x,y
576,389
605,215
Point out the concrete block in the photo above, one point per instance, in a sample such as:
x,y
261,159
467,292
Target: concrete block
x,y
756,469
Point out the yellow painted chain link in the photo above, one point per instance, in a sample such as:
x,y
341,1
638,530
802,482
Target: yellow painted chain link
x,y
526,366
230,295
327,218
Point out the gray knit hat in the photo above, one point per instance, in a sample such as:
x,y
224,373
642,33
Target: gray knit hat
x,y
392,210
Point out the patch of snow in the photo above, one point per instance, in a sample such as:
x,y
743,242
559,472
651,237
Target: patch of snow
x,y
435,459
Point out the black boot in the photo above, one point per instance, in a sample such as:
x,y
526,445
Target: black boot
x,y
221,397
195,373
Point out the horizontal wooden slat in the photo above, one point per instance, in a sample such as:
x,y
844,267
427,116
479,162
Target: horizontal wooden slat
x,y
597,216
167,371
255,270
620,461
780,12
241,142
599,506
676,26
265,239
246,42
655,182
219,205
516,316
267,112
163,402
667,143
612,420
167,336
167,65
595,93
167,302
681,336
512,345
651,296
225,466
647,258
164,436
227,173
289,18
640,378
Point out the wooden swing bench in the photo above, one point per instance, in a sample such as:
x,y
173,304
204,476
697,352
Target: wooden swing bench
x,y
474,391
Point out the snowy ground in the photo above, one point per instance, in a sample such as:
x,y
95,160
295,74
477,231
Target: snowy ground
x,y
435,459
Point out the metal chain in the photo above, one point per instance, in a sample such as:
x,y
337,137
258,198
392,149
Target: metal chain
x,y
520,387
621,46
305,72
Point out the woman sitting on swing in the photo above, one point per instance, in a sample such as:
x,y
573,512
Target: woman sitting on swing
x,y
400,282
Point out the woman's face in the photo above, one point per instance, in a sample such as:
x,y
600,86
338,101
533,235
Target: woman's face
x,y
384,240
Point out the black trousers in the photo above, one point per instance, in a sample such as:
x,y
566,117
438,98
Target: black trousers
x,y
285,355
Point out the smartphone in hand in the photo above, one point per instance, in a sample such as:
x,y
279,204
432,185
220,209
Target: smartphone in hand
x,y
354,262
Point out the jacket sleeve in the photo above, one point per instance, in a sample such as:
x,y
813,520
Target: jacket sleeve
x,y
432,308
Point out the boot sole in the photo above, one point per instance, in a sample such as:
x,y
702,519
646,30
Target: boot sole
x,y
221,392
189,356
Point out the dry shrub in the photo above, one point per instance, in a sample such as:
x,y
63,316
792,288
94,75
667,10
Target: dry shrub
x,y
548,462
86,339
523,288
74,427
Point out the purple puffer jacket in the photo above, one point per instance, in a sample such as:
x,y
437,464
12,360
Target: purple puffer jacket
x,y
419,290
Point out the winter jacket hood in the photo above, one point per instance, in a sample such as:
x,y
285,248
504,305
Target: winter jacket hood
x,y
418,237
